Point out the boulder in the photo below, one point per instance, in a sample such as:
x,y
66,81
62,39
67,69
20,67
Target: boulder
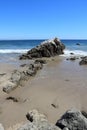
x,y
72,120
37,121
45,49
83,61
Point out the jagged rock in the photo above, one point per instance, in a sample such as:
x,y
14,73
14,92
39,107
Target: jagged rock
x,y
83,61
73,120
45,49
37,121
9,86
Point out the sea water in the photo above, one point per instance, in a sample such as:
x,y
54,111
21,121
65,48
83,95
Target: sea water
x,y
72,47
11,49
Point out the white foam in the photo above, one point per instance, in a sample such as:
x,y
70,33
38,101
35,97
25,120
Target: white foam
x,y
13,50
76,53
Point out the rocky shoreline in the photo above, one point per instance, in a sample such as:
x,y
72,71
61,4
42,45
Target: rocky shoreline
x,y
72,119
46,49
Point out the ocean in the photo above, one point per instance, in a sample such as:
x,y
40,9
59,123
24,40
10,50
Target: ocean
x,y
11,49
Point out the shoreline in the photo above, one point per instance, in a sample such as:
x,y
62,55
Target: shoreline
x,y
60,83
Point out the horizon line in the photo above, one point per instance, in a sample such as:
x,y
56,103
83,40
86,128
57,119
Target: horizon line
x,y
43,39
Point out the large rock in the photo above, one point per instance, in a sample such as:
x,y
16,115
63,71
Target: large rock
x,y
83,61
37,121
45,49
72,120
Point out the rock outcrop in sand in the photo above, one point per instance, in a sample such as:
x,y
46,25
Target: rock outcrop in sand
x,y
18,75
45,49
37,121
72,120
83,61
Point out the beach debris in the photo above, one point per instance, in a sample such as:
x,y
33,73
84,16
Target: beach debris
x,y
73,120
37,121
83,61
54,105
47,48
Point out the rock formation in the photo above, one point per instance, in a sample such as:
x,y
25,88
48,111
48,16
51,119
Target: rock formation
x,y
37,121
83,61
72,120
18,75
45,49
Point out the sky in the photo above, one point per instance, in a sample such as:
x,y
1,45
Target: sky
x,y
39,19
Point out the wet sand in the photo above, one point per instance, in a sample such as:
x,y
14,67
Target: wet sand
x,y
59,86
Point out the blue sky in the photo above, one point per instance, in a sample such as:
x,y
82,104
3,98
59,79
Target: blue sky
x,y
34,19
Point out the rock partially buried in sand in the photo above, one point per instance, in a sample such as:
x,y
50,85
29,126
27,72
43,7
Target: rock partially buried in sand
x,y
72,58
73,120
45,49
83,61
37,121
17,76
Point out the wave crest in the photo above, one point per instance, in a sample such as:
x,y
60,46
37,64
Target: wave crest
x,y
13,50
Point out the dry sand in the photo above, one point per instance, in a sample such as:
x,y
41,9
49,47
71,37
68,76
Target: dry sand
x,y
59,86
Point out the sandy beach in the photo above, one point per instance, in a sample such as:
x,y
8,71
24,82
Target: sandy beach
x,y
59,86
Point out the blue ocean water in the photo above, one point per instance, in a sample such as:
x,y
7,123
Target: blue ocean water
x,y
17,46
71,46
13,48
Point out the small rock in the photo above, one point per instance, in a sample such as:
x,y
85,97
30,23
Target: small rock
x,y
12,98
40,61
78,44
54,105
72,53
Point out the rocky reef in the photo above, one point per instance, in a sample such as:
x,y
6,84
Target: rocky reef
x,y
72,120
45,49
22,74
